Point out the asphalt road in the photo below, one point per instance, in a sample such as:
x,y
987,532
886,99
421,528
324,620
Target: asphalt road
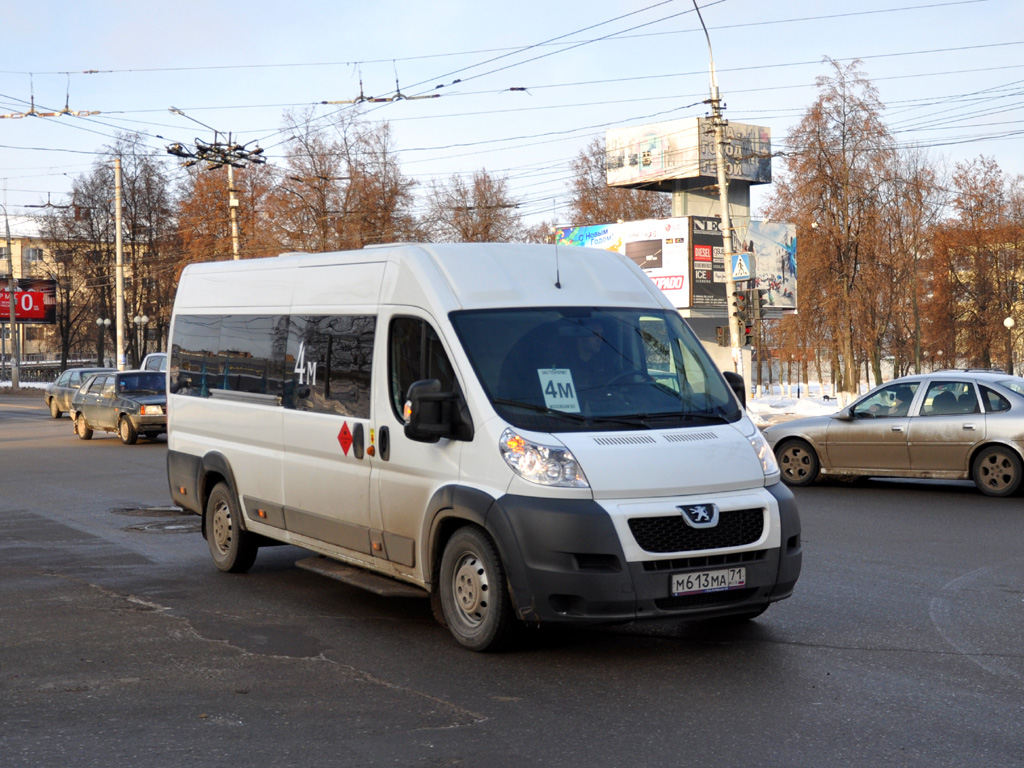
x,y
121,645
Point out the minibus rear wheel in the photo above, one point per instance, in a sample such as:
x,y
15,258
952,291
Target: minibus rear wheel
x,y
474,597
233,549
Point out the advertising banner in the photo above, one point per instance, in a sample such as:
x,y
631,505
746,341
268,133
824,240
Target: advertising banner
x,y
658,246
649,156
775,260
709,264
35,302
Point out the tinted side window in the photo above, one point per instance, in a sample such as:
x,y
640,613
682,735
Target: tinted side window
x,y
329,363
415,353
949,397
250,357
994,402
238,353
194,363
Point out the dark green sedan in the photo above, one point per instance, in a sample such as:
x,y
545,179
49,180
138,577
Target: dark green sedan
x,y
129,403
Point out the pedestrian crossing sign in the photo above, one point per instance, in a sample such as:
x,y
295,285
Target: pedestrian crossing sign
x,y
741,266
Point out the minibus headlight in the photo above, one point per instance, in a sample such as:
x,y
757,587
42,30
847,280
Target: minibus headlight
x,y
541,464
764,454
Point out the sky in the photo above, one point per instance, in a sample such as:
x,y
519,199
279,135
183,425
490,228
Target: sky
x,y
521,88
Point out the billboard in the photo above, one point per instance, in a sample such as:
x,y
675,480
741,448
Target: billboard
x,y
686,259
709,265
660,247
774,247
649,155
35,301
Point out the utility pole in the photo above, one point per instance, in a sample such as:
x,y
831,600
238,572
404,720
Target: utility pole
x,y
719,123
11,285
233,207
216,155
119,264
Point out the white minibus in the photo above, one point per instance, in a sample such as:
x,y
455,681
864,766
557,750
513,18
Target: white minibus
x,y
525,434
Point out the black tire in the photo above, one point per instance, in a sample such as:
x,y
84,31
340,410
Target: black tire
x,y
997,471
126,431
798,462
233,549
82,428
55,412
474,596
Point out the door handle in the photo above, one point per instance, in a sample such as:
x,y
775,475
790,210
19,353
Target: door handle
x,y
897,427
357,441
969,427
384,436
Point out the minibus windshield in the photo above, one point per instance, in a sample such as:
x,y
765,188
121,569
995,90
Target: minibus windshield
x,y
572,369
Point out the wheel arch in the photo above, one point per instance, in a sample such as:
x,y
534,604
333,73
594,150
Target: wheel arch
x,y
215,468
977,449
451,507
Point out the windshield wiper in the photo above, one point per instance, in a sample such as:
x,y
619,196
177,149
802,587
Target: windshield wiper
x,y
629,421
540,409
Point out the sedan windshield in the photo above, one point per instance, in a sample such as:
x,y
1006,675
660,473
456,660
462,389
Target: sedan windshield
x,y
562,369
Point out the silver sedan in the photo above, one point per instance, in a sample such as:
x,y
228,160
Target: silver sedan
x,y
942,425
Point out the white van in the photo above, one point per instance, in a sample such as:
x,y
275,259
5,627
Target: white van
x,y
524,433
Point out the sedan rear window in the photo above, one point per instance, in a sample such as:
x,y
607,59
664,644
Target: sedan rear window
x,y
140,382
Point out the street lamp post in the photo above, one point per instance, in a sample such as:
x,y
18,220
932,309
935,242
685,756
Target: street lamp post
x,y
140,336
102,324
1008,323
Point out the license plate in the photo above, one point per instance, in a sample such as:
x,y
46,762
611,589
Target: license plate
x,y
708,581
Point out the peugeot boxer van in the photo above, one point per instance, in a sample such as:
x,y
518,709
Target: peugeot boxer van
x,y
522,433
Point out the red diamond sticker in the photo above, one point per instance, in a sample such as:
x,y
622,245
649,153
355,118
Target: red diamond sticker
x,y
345,438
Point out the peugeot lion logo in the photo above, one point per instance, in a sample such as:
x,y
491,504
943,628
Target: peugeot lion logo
x,y
700,515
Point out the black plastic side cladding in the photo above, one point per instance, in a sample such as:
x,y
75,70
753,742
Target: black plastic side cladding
x,y
183,473
791,548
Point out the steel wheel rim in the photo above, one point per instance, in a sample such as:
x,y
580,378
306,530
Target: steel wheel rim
x,y
124,430
997,471
795,462
220,527
470,587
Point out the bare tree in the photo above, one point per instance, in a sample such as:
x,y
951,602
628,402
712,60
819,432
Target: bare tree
x,y
204,215
379,197
592,201
480,210
841,150
309,202
978,268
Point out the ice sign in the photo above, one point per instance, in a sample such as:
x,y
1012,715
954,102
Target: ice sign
x,y
559,391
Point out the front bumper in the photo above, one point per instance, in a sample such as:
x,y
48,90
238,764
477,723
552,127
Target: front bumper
x,y
565,563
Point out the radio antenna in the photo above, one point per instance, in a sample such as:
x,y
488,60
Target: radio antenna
x,y
554,235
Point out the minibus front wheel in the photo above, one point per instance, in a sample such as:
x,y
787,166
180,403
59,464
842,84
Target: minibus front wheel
x,y
233,549
474,597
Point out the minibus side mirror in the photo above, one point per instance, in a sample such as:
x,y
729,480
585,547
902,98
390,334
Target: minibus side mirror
x,y
431,414
735,381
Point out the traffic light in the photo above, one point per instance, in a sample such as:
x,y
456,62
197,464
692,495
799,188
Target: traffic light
x,y
761,298
722,335
739,306
747,333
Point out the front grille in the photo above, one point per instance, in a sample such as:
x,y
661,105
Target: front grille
x,y
670,533
706,600
706,561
